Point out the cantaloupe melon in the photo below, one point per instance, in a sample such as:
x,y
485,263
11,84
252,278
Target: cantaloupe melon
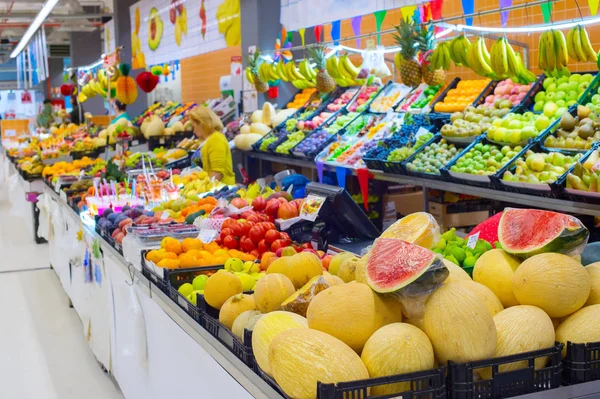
x,y
282,116
456,272
271,290
302,357
419,228
360,273
234,306
259,128
397,348
267,328
331,279
459,325
491,301
581,327
302,267
241,322
347,270
554,282
279,265
257,116
495,270
352,313
268,112
521,328
220,287
337,260
593,270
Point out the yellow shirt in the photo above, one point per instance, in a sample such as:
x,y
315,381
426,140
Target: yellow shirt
x,y
216,157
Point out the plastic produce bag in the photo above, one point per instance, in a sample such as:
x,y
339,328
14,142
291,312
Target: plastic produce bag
x,y
418,228
299,301
374,62
44,204
407,270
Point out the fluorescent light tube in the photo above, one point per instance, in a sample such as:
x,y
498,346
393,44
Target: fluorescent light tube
x,y
35,25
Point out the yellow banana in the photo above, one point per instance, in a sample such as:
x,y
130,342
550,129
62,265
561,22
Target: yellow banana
x,y
447,58
261,72
332,67
586,45
499,61
433,61
570,47
295,71
249,77
560,45
465,43
514,66
281,71
273,72
550,49
455,51
542,61
578,45
350,68
304,68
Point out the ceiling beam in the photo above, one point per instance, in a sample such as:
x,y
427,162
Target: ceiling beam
x,y
56,17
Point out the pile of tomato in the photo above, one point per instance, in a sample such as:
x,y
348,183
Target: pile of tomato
x,y
254,238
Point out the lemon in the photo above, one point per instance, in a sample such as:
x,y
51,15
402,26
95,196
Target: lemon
x,y
418,228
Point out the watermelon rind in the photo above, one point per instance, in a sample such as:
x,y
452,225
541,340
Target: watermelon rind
x,y
555,232
404,263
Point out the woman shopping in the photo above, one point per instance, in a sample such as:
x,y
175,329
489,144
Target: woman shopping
x,y
216,155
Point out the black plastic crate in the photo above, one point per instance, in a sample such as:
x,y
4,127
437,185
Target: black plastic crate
x,y
462,383
80,154
160,141
581,363
571,194
180,163
423,175
442,96
175,278
541,139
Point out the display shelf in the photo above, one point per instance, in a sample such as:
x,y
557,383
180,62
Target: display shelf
x,y
226,359
559,205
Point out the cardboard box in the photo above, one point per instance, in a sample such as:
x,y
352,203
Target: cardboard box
x,y
395,206
447,220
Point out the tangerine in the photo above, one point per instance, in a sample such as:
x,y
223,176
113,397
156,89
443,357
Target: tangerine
x,y
169,263
154,256
189,244
171,245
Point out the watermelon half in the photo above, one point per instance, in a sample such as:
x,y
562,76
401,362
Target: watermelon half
x,y
528,232
394,264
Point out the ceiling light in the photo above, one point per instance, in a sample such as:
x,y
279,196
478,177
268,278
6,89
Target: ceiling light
x,y
35,25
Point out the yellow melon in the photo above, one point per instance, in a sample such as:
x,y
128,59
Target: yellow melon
x,y
337,260
352,313
348,268
581,327
241,322
556,283
397,348
521,328
302,267
302,357
331,279
361,270
456,272
491,301
593,271
459,325
279,265
495,270
267,328
271,290
220,287
418,228
234,306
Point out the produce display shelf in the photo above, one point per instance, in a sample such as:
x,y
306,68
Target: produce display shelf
x,y
560,205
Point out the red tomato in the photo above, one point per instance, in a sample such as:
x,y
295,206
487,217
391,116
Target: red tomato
x,y
229,223
307,245
270,225
246,227
277,244
256,234
247,245
255,253
262,246
285,236
226,232
238,230
272,235
230,242
253,218
286,243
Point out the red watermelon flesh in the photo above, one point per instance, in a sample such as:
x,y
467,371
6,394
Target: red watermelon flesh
x,y
394,264
488,229
527,232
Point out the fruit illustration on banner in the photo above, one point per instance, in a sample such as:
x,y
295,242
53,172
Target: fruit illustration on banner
x,y
155,29
203,18
230,25
138,60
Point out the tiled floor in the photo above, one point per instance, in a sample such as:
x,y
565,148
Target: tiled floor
x,y
43,352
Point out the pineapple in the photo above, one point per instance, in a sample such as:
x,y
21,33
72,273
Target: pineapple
x,y
410,43
430,76
254,62
325,83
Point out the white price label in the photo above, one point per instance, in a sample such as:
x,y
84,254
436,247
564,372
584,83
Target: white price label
x,y
207,235
421,132
473,240
165,215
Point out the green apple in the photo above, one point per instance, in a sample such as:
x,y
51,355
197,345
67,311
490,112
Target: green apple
x,y
587,77
573,95
497,122
550,109
186,289
542,123
596,99
575,77
560,95
570,103
548,82
562,80
199,281
515,124
551,96
560,103
539,106
527,132
506,122
563,87
559,112
583,86
540,96
572,86
499,134
515,138
552,88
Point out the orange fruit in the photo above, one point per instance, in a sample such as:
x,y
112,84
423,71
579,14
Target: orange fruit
x,y
169,263
170,255
154,256
194,253
221,252
171,245
185,260
205,254
189,244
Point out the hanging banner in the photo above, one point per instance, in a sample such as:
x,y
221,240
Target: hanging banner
x,y
379,17
408,11
468,7
593,4
335,32
163,30
504,14
318,31
356,28
546,11
296,14
109,37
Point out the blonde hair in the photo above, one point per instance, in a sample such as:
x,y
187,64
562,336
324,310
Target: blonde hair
x,y
207,118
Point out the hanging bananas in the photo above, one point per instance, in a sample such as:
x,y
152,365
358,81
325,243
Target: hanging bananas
x,y
579,46
478,59
506,63
458,50
441,57
554,52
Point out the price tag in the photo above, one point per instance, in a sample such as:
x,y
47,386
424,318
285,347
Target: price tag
x,y
135,142
421,132
207,235
473,240
161,141
165,215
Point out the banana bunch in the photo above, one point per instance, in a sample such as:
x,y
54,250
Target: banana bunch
x,y
229,22
578,45
268,72
343,71
458,50
506,63
441,57
478,59
553,55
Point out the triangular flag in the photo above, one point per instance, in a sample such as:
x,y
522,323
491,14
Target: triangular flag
x,y
407,12
301,33
335,32
593,7
318,31
436,9
356,28
363,181
379,17
504,14
341,176
320,171
468,7
283,35
546,11
289,37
